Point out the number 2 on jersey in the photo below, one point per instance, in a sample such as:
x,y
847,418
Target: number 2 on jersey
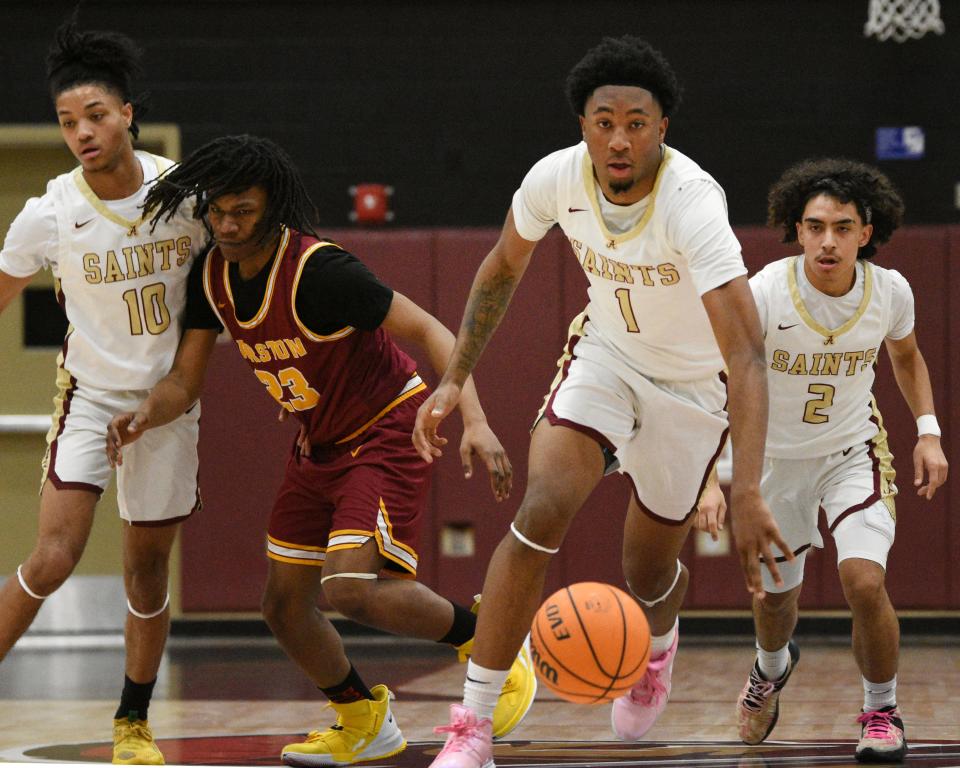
x,y
811,413
301,397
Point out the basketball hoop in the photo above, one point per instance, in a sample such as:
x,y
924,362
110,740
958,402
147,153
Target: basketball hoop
x,y
903,19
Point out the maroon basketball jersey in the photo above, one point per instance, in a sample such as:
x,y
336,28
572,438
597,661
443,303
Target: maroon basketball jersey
x,y
337,384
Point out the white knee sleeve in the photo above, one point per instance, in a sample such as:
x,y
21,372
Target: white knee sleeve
x,y
533,545
161,609
23,583
665,595
349,576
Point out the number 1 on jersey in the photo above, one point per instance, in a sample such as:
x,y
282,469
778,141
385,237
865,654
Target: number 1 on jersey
x,y
626,309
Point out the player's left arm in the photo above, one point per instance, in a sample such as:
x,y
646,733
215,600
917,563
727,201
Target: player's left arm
x,y
736,326
406,320
913,379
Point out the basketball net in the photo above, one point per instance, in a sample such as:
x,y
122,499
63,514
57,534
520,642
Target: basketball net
x,y
903,19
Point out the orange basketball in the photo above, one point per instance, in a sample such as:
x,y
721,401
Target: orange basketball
x,y
590,642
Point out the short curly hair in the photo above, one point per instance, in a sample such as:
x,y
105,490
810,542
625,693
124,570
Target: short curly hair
x,y
877,201
626,60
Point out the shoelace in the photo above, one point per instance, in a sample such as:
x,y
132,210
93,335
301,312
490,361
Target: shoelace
x,y
463,730
877,724
649,688
758,692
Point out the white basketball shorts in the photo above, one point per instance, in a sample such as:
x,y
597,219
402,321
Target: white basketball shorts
x,y
664,435
157,482
855,490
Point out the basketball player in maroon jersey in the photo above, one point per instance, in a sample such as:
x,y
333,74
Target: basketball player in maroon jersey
x,y
316,326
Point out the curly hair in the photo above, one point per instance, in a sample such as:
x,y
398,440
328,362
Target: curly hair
x,y
626,60
108,59
233,164
848,181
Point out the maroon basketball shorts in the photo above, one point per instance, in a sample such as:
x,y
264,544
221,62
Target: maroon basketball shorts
x,y
373,487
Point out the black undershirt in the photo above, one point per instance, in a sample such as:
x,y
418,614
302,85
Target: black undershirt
x,y
335,290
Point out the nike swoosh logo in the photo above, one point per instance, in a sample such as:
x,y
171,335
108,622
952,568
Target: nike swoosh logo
x,y
575,210
78,224
357,450
783,327
221,306
848,450
480,682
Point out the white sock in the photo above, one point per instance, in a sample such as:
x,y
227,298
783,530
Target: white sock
x,y
773,664
879,695
482,688
660,644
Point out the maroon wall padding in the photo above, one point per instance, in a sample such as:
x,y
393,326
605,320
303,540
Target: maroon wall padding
x,y
243,450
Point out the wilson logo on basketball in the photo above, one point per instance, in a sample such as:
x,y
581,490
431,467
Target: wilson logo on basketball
x,y
590,643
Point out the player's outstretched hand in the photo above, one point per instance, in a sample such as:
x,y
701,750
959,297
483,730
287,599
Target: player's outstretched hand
x,y
929,464
435,409
479,439
711,511
754,531
122,430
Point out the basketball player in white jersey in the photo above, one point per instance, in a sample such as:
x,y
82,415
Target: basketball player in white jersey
x,y
640,387
826,315
123,289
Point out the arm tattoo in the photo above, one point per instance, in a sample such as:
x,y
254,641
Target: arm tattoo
x,y
485,309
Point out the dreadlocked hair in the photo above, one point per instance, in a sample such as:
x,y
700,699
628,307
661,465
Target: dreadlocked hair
x,y
108,59
847,181
626,60
233,164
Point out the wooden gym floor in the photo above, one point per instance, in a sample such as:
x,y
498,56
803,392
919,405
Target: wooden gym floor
x,y
238,702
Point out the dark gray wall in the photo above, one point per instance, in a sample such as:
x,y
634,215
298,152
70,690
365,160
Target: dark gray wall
x,y
452,102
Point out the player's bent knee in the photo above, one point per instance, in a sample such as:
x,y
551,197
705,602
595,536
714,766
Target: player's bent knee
x,y
657,588
863,582
351,594
49,568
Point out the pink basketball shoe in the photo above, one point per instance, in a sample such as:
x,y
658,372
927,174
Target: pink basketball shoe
x,y
635,713
469,741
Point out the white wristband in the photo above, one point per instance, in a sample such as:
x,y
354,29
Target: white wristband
x,y
927,425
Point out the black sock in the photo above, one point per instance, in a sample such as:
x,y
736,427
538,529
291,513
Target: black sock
x,y
464,626
135,699
351,689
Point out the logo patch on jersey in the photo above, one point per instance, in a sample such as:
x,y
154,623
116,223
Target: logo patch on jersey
x,y
783,327
575,210
78,224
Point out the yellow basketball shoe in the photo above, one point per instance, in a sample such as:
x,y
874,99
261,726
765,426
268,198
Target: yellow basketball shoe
x,y
365,730
133,743
518,692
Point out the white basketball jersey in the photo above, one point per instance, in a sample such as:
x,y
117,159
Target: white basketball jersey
x,y
122,286
820,379
646,282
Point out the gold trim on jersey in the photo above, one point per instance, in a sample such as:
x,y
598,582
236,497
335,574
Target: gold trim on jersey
x,y
590,182
208,287
65,388
390,548
413,386
881,450
271,283
830,336
343,332
162,164
575,329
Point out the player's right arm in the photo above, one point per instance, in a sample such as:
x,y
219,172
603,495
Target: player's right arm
x,y
30,240
10,288
490,295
